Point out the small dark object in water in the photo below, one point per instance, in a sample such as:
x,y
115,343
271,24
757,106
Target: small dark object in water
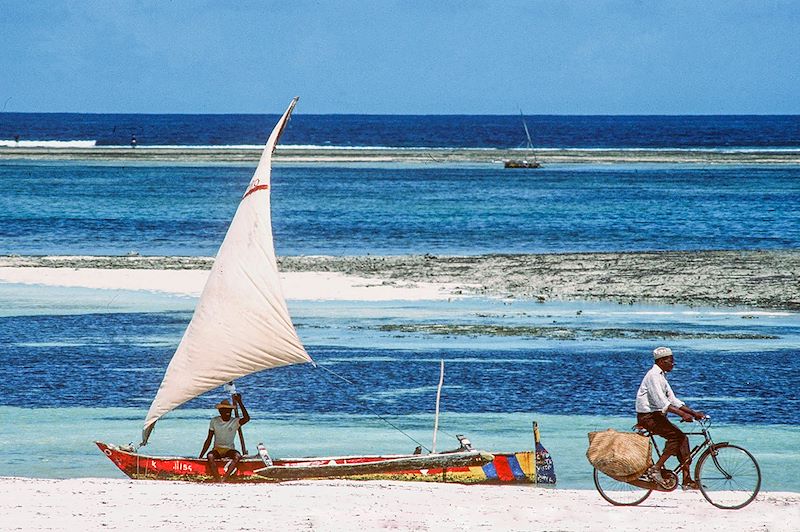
x,y
515,163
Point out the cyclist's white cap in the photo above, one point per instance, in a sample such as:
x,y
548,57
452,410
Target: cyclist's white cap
x,y
661,352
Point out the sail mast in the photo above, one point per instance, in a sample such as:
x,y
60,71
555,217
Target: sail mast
x,y
527,133
438,398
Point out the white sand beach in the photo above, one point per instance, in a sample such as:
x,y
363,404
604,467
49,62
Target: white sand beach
x,y
328,286
95,504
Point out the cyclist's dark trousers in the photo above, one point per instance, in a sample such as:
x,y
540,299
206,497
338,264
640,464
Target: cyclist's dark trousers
x,y
677,442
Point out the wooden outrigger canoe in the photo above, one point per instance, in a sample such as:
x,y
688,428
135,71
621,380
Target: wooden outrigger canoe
x,y
466,467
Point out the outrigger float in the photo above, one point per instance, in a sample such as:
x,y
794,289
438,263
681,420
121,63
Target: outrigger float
x,y
241,325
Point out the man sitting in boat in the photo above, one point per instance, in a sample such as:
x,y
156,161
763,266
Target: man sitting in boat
x,y
223,430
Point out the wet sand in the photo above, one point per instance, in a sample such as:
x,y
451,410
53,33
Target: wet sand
x,y
756,279
296,286
752,279
289,154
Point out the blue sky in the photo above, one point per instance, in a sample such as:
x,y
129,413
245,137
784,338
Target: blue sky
x,y
401,57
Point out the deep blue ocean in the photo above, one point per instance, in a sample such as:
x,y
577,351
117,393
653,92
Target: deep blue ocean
x,y
99,355
448,131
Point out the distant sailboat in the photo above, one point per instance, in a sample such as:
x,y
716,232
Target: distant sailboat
x,y
241,326
530,161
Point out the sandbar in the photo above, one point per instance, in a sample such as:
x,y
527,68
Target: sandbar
x,y
752,279
749,279
297,286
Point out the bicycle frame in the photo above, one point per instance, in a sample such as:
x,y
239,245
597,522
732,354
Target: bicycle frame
x,y
707,443
727,490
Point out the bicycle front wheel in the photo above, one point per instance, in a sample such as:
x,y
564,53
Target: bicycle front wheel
x,y
729,476
619,493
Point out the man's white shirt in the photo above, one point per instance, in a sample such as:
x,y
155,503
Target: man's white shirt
x,y
655,393
224,432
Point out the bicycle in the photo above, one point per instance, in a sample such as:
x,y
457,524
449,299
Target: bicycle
x,y
728,475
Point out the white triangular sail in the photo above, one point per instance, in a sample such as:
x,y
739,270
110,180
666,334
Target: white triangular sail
x,y
241,324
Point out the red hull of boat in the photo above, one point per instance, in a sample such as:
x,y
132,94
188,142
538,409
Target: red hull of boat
x,y
468,468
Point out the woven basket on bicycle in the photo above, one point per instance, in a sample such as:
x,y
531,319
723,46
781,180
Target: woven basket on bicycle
x,y
622,455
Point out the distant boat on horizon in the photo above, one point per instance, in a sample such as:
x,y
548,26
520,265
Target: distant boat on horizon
x,y
528,162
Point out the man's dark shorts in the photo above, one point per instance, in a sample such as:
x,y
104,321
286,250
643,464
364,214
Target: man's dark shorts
x,y
657,423
219,454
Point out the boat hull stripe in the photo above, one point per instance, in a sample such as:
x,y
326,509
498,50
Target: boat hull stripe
x,y
516,468
525,461
503,470
490,471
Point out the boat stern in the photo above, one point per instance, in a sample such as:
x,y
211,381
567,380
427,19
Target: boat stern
x,y
545,469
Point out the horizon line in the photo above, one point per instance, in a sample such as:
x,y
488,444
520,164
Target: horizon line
x,y
403,114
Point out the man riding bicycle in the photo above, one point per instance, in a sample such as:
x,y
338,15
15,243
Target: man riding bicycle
x,y
654,401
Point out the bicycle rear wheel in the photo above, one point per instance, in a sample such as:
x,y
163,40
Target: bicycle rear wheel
x,y
729,476
619,493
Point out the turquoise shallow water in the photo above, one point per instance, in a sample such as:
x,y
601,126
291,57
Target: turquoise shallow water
x,y
84,365
58,441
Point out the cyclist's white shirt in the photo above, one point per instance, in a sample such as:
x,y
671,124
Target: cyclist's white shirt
x,y
655,393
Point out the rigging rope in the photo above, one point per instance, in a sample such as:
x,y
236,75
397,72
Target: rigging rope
x,y
379,416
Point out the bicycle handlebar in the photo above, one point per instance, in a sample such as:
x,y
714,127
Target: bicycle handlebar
x,y
703,421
